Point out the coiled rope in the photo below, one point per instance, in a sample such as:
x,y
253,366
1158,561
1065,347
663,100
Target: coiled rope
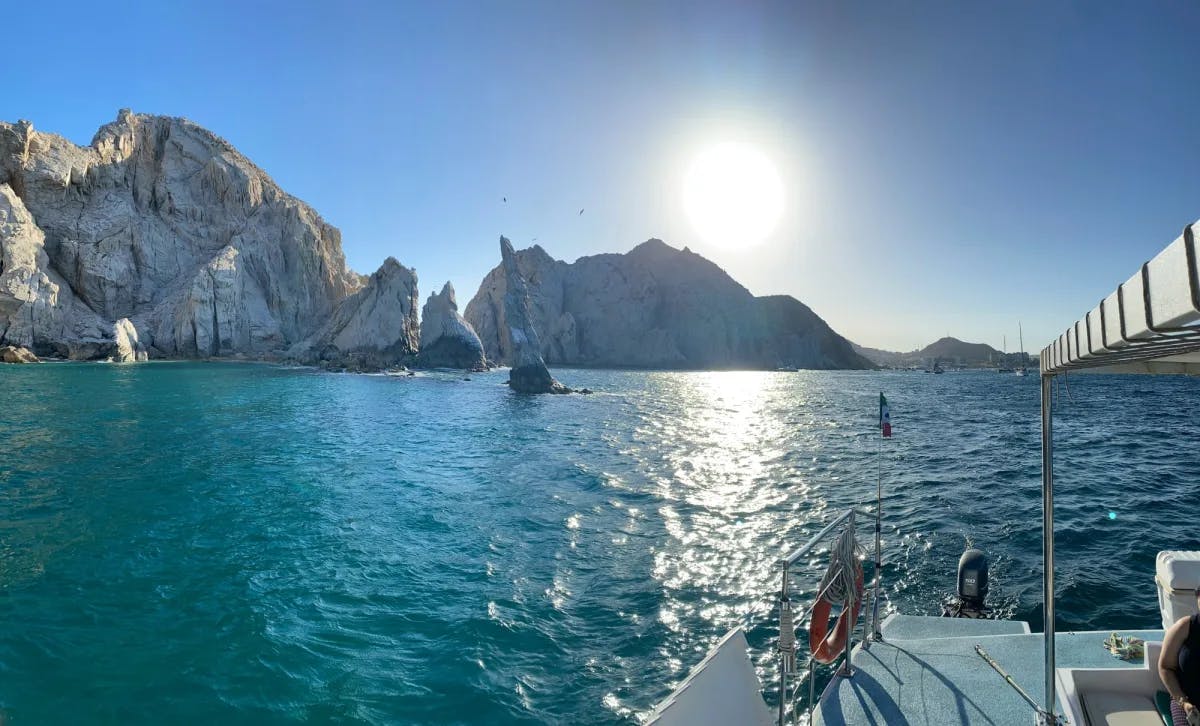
x,y
843,561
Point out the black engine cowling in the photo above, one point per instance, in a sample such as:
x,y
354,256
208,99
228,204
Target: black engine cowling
x,y
972,587
973,578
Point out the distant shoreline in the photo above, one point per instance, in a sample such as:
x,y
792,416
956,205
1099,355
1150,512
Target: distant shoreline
x,y
569,367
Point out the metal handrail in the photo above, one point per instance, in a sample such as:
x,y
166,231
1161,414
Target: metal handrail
x,y
816,540
785,564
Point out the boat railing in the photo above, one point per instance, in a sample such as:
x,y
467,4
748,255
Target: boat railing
x,y
786,649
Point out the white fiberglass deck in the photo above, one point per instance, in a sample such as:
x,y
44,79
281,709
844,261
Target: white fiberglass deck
x,y
926,671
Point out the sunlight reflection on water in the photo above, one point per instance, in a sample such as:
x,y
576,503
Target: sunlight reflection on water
x,y
388,549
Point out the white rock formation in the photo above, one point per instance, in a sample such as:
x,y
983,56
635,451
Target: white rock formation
x,y
654,307
15,354
129,348
447,339
160,222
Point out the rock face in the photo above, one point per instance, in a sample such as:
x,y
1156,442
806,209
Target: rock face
x,y
654,307
165,225
447,339
37,308
529,373
13,354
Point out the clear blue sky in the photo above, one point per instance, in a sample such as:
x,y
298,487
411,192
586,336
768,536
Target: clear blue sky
x,y
949,167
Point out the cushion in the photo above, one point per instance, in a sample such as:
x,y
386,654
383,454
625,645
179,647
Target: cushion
x,y
1120,709
1162,700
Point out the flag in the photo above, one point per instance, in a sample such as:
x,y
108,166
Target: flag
x,y
885,417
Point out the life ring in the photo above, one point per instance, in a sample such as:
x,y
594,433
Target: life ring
x,y
824,645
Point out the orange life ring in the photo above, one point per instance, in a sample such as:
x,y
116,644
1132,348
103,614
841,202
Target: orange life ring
x,y
825,646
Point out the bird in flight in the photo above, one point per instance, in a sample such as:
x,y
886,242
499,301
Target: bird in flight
x,y
580,212
505,199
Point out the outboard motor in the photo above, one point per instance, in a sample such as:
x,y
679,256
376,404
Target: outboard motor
x,y
972,586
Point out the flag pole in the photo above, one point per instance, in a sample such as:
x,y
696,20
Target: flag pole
x,y
875,634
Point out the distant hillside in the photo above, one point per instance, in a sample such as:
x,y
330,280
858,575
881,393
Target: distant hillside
x,y
886,358
954,350
947,351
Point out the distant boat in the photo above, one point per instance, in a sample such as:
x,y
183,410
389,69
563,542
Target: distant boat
x,y
1021,368
937,367
1004,359
788,369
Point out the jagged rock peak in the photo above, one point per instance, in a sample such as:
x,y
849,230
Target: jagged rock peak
x,y
374,328
447,339
529,373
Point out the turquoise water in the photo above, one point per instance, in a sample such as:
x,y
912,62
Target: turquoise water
x,y
228,543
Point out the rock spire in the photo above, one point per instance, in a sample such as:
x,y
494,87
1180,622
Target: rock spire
x,y
447,339
529,373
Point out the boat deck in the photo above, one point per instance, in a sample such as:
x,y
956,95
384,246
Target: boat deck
x,y
926,671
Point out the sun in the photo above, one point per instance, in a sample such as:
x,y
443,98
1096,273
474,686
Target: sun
x,y
733,195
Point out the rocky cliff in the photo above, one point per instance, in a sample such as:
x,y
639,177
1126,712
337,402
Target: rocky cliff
x,y
165,227
654,307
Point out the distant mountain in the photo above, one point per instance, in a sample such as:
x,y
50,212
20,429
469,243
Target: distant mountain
x,y
947,351
953,350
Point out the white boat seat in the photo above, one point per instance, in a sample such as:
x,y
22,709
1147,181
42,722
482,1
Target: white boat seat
x,y
1120,709
1177,574
1112,696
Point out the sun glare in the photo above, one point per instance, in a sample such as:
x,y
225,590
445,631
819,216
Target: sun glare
x,y
733,195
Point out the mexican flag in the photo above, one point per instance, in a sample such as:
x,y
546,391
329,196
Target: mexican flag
x,y
885,417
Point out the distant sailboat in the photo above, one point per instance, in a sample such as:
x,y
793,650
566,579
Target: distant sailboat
x,y
1021,368
1004,359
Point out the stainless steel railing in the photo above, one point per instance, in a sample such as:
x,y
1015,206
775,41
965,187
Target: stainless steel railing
x,y
848,518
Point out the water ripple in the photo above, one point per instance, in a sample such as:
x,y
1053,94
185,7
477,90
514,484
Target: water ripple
x,y
242,543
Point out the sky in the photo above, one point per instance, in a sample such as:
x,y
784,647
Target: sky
x,y
948,168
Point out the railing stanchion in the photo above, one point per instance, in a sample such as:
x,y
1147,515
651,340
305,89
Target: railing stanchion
x,y
846,671
783,597
812,688
875,634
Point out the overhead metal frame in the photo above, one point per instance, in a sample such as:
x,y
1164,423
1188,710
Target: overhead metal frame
x,y
1150,324
1152,316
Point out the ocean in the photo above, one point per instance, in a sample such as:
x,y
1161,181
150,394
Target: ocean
x,y
243,543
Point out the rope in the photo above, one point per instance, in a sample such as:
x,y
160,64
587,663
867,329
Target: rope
x,y
840,577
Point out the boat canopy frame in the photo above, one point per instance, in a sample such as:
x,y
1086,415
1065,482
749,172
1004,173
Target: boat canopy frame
x,y
1150,324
